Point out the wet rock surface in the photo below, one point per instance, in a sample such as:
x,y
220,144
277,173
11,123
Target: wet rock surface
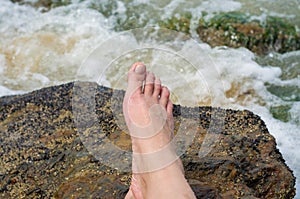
x,y
43,150
236,29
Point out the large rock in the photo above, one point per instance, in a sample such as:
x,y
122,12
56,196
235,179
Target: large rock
x,y
42,154
236,29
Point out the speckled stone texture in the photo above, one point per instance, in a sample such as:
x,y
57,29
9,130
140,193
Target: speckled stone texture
x,y
42,155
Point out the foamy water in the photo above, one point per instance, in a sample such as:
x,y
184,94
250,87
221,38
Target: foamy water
x,y
43,49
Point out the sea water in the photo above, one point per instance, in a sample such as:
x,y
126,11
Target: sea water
x,y
39,49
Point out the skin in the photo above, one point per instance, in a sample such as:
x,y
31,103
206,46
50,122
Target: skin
x,y
157,170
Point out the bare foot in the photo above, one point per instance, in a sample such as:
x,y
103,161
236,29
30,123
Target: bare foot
x,y
157,170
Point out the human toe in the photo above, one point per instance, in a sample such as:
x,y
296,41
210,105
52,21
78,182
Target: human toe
x,y
136,77
149,84
164,96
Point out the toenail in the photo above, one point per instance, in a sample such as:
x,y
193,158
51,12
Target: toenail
x,y
140,68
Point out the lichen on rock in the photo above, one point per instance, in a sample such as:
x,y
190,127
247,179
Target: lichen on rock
x,y
236,29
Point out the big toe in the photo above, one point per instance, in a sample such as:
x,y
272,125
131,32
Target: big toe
x,y
136,77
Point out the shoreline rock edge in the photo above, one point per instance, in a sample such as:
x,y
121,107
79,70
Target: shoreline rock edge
x,y
42,154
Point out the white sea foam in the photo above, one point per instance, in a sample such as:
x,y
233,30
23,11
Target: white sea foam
x,y
220,5
51,44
